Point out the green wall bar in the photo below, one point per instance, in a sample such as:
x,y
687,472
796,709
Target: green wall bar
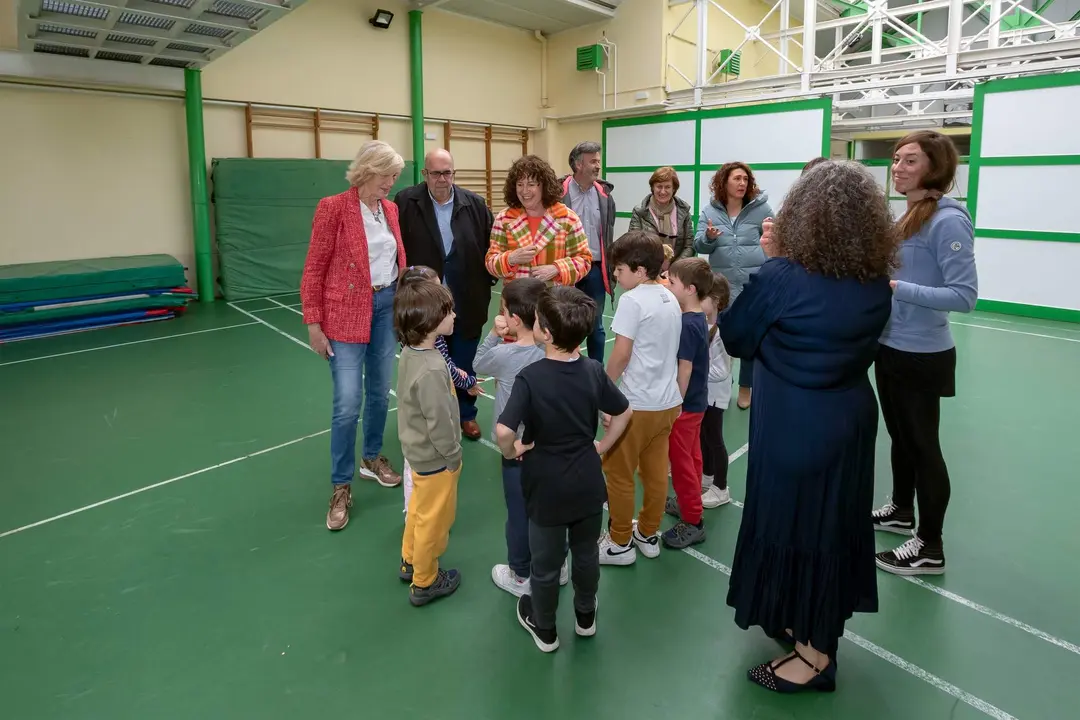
x,y
200,202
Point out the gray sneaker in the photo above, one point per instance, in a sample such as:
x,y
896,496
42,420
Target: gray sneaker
x,y
683,535
380,470
446,583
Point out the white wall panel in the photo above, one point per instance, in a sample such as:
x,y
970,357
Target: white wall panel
x,y
780,137
881,174
960,188
630,188
621,226
1029,272
1025,197
1031,122
653,145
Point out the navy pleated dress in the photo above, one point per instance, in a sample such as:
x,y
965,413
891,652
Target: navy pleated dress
x,y
805,554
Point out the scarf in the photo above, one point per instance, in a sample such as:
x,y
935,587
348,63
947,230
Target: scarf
x,y
663,216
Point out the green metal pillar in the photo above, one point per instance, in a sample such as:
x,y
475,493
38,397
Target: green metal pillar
x,y
200,205
416,81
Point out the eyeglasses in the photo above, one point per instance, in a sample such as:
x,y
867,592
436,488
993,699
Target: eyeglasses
x,y
446,174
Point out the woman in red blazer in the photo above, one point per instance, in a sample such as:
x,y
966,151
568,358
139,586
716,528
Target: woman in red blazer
x,y
348,299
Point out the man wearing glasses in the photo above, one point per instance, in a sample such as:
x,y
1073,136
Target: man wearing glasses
x,y
448,228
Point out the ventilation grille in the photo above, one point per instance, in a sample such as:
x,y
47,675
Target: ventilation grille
x,y
184,47
61,50
51,29
118,56
208,30
234,10
166,33
147,21
131,40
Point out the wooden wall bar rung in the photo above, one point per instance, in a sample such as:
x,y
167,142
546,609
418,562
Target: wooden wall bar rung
x,y
315,120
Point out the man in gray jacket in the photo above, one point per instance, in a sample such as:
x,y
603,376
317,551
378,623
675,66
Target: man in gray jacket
x,y
590,198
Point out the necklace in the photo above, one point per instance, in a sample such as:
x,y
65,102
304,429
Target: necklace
x,y
377,212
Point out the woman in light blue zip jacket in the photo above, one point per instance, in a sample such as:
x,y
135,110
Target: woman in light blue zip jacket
x,y
729,232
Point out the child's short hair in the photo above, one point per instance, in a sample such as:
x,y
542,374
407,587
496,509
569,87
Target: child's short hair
x,y
417,273
721,291
669,253
638,249
693,271
567,313
521,297
419,308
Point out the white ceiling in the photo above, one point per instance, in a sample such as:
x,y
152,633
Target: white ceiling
x,y
169,33
547,16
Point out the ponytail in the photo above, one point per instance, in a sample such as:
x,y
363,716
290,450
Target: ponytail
x,y
918,215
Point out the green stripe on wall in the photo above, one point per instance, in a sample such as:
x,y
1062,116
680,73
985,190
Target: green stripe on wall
x,y
1029,160
1031,311
1069,237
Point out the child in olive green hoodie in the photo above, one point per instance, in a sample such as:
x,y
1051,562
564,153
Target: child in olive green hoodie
x,y
429,428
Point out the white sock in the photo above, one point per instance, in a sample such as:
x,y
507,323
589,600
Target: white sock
x,y
706,482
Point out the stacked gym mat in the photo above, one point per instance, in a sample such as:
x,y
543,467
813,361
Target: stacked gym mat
x,y
40,299
263,208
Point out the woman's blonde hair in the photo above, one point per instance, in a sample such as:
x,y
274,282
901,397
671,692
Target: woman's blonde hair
x,y
375,158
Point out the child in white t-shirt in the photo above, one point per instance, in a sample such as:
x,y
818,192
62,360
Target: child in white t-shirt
x,y
647,327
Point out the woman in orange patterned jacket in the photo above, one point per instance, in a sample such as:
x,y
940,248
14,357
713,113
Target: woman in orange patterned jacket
x,y
536,235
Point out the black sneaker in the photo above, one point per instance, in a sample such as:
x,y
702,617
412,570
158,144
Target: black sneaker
x,y
914,557
546,640
405,571
586,622
446,583
682,535
890,518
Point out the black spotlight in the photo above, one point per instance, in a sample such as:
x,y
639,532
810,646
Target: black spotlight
x,y
382,19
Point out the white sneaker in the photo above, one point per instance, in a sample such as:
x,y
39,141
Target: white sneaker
x,y
564,573
715,497
649,546
509,581
612,554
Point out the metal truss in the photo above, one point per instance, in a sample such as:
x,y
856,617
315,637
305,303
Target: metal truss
x,y
882,69
169,33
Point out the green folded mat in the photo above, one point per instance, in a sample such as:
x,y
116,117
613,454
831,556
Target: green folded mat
x,y
97,308
263,209
37,282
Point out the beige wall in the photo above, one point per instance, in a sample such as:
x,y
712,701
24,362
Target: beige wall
x,y
636,32
91,175
723,33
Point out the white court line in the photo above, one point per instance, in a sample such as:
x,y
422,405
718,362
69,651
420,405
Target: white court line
x,y
284,306
910,668
125,344
959,599
276,329
1017,332
178,478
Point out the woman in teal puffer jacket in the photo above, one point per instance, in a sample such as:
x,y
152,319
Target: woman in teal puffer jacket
x,y
729,232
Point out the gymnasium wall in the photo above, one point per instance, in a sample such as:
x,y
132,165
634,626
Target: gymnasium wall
x,y
1022,194
757,60
90,174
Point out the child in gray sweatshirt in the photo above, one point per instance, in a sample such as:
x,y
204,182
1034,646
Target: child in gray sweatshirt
x,y
506,350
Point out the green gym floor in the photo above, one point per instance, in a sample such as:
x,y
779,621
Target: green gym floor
x,y
163,554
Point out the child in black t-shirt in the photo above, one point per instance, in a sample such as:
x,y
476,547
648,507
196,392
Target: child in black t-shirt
x,y
559,399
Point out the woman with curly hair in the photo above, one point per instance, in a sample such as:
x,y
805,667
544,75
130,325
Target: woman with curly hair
x,y
536,235
729,232
811,316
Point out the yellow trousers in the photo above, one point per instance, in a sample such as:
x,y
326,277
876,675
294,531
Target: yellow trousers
x,y
432,508
643,447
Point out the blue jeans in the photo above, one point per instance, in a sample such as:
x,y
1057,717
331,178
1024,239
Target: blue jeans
x,y
362,371
593,286
518,556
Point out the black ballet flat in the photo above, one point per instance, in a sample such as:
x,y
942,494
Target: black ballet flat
x,y
765,676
